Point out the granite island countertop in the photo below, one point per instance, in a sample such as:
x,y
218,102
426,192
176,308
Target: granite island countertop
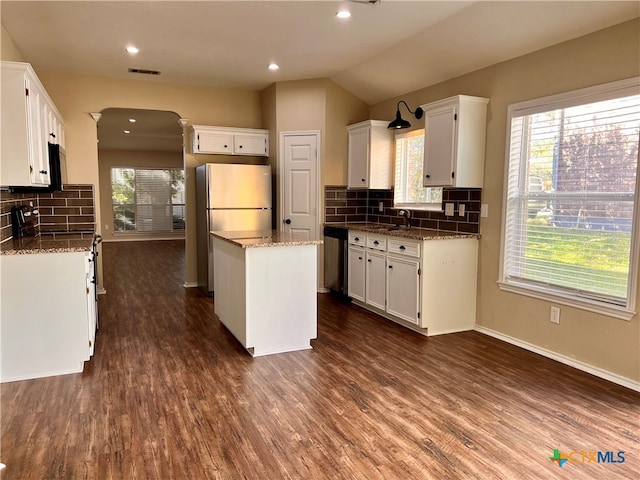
x,y
402,232
264,238
60,242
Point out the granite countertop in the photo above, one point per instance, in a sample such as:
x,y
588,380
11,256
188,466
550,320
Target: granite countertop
x,y
412,233
264,238
58,242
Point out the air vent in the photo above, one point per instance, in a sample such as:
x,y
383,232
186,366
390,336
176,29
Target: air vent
x,y
143,71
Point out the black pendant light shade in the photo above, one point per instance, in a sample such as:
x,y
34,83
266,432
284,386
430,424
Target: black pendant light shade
x,y
399,122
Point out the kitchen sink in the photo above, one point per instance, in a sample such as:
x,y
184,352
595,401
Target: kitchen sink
x,y
389,228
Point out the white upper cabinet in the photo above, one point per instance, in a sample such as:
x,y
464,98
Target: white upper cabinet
x,y
455,131
29,121
230,141
370,154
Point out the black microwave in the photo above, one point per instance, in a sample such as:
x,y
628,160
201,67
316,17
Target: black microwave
x,y
57,173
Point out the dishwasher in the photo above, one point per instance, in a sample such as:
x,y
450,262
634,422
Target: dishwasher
x,y
335,260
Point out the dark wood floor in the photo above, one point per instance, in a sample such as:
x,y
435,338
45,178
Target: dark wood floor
x,y
170,394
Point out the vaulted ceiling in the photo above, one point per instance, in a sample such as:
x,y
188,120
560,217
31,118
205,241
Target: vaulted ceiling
x,y
387,48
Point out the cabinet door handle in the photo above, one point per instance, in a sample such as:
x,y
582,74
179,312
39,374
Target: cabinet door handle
x,y
368,260
359,258
390,266
240,146
357,239
428,176
53,135
375,242
43,172
226,146
362,179
402,247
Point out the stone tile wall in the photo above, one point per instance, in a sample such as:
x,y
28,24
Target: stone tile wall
x,y
72,210
342,205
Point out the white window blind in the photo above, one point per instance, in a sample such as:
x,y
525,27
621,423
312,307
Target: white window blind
x,y
153,201
147,200
408,190
570,196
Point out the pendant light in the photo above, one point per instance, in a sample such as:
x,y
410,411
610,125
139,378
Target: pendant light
x,y
399,122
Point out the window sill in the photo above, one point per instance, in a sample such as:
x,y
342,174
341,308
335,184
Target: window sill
x,y
571,301
423,208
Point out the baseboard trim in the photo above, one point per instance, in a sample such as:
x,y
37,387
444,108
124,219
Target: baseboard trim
x,y
144,239
190,284
585,367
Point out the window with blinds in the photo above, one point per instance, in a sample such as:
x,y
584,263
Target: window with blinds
x,y
408,191
570,219
147,200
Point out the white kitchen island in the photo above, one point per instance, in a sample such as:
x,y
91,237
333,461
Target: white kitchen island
x,y
265,289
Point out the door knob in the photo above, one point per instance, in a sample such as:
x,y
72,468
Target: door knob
x,y
288,221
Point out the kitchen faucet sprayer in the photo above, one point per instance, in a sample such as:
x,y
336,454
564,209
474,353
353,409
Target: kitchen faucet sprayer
x,y
406,214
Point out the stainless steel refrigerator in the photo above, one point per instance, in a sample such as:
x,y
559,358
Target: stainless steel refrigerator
x,y
229,197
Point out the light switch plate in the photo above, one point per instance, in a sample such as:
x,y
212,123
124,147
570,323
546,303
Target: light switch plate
x,y
484,210
448,209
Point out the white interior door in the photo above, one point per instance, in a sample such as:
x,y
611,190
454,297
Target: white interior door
x,y
299,174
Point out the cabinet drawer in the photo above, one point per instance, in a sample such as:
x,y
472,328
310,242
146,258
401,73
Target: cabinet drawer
x,y
357,238
377,242
403,247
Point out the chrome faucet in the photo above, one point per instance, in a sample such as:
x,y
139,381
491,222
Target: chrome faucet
x,y
407,215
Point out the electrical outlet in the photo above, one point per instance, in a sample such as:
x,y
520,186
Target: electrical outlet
x,y
461,210
554,316
448,209
381,206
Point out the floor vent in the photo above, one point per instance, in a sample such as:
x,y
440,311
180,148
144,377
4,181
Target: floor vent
x,y
143,71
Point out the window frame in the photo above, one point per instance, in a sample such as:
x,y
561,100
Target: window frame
x,y
134,205
608,91
431,206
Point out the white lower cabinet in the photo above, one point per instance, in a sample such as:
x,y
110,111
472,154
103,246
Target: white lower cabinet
x,y
374,279
403,288
356,272
48,314
427,285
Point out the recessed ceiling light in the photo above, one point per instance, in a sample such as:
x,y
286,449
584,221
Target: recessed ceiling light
x,y
132,50
132,120
343,14
273,66
127,131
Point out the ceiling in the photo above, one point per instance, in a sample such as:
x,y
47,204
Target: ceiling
x,y
153,130
384,50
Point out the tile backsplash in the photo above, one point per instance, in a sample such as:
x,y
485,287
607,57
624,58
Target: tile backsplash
x,y
71,210
342,205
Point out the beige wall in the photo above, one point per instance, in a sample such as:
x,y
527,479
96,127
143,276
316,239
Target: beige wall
x,y
76,96
127,158
8,50
342,109
313,105
317,104
608,55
